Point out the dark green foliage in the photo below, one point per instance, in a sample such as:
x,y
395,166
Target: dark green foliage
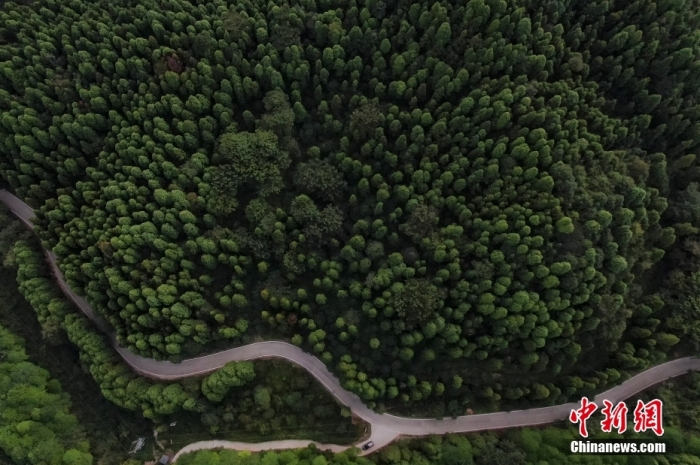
x,y
283,402
249,159
216,386
525,446
36,426
309,455
688,207
417,302
488,186
219,399
420,223
683,299
104,424
320,178
366,119
279,117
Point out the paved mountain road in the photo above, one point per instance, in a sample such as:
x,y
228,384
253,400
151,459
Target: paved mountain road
x,y
385,428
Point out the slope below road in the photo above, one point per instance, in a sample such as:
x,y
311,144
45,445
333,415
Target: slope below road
x,y
385,428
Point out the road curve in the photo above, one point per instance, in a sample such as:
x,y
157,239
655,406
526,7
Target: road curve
x,y
385,428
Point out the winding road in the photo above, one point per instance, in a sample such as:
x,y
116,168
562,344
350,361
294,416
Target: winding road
x,y
385,428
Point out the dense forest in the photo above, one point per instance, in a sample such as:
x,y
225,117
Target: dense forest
x,y
108,428
536,446
543,446
524,447
36,426
260,400
451,204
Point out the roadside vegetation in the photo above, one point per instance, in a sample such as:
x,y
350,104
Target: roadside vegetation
x,y
527,446
490,203
36,425
474,205
251,401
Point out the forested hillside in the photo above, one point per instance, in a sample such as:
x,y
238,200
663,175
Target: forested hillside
x,y
36,426
540,446
266,399
448,202
524,447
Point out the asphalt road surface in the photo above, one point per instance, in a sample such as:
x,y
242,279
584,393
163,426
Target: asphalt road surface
x,y
385,428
